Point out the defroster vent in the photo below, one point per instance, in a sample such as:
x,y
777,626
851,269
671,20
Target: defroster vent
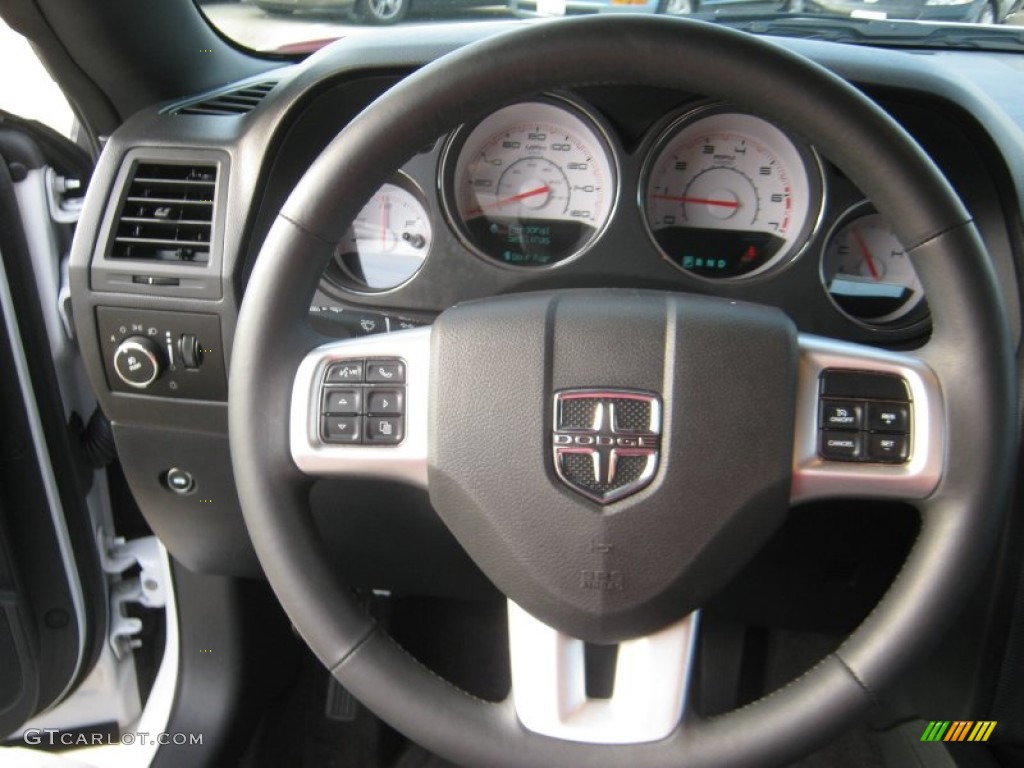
x,y
240,101
167,214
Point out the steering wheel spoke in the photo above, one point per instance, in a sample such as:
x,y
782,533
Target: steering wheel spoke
x,y
359,408
869,423
652,679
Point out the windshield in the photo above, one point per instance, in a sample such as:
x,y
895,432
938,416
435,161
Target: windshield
x,y
302,26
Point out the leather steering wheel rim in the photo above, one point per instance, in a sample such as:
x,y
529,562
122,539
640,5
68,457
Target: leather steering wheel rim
x,y
970,352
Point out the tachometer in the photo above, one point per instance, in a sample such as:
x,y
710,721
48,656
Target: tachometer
x,y
531,185
729,195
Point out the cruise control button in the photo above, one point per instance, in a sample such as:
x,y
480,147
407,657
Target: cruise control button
x,y
889,448
840,414
384,402
384,429
883,417
349,371
385,371
841,446
343,401
341,429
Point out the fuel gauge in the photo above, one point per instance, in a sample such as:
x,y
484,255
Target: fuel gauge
x,y
868,274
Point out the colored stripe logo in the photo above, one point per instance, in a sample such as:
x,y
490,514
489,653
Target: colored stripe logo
x,y
959,730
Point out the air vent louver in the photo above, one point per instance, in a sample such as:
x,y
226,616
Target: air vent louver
x,y
167,214
238,102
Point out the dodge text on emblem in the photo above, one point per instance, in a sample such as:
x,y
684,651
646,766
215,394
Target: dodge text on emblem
x,y
606,441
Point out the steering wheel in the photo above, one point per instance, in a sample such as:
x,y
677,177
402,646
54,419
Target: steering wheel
x,y
728,397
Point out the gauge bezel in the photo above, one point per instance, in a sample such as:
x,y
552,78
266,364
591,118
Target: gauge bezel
x,y
917,318
455,145
671,126
338,277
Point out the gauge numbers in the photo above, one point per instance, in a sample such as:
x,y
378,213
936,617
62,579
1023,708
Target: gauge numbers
x,y
532,185
388,241
730,195
867,271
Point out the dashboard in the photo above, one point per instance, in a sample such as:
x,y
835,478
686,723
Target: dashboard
x,y
722,196
600,186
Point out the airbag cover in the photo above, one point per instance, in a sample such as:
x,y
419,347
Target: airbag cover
x,y
726,375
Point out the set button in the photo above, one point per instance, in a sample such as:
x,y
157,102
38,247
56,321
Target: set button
x,y
889,448
363,402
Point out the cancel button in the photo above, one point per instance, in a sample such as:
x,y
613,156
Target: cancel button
x,y
841,446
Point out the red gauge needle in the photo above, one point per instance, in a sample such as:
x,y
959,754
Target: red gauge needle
x,y
698,200
510,199
863,248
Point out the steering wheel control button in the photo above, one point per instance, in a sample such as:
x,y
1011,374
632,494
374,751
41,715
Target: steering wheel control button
x,y
384,402
387,430
841,446
341,429
180,481
841,414
137,361
870,423
365,412
350,371
343,401
385,371
886,417
888,448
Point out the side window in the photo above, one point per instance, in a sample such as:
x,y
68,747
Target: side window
x,y
26,88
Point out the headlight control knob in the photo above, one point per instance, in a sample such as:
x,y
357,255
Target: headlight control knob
x,y
138,362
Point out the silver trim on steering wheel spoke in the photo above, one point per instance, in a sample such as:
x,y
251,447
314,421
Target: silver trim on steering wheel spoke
x,y
815,477
405,461
652,678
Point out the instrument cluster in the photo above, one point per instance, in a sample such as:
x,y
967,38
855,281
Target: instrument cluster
x,y
722,195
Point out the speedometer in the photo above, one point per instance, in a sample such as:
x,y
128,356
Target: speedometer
x,y
729,195
531,185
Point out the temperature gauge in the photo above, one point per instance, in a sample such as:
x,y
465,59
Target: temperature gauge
x,y
868,273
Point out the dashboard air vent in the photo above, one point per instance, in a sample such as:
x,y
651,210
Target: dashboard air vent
x,y
167,214
237,102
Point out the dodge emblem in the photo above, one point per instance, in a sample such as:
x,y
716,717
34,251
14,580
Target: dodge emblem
x,y
606,441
